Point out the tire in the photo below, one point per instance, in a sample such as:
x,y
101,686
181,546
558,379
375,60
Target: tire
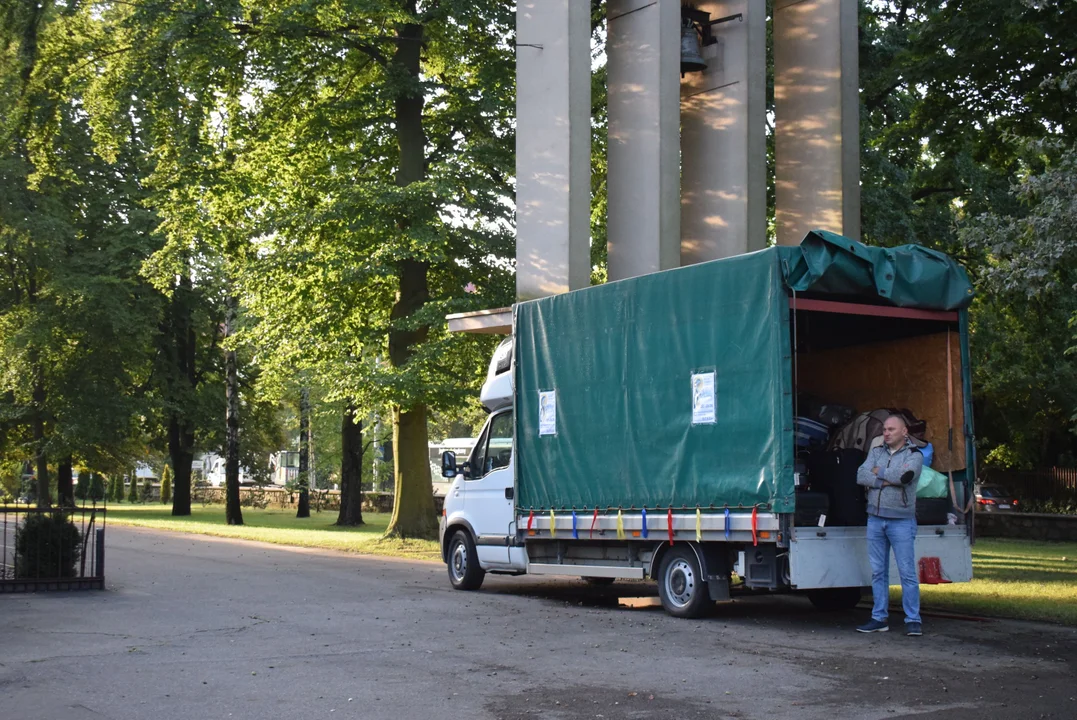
x,y
598,580
681,585
835,599
464,570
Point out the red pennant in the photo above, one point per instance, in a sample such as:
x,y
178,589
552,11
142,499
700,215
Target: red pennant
x,y
669,521
755,525
594,519
530,519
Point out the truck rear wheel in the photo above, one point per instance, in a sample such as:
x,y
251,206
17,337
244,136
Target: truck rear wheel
x,y
681,585
464,570
835,599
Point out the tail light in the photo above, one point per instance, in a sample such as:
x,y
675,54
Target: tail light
x,y
986,501
1014,502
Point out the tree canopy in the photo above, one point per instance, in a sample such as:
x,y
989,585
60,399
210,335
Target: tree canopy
x,y
208,209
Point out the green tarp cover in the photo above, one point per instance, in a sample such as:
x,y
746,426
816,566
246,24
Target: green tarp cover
x,y
609,412
907,276
619,360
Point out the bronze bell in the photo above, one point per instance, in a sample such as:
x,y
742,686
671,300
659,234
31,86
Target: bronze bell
x,y
691,59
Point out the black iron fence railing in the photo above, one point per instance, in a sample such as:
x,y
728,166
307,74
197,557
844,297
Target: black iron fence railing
x,y
1045,484
52,549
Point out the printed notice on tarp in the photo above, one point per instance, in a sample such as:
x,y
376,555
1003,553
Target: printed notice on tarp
x,y
703,399
548,412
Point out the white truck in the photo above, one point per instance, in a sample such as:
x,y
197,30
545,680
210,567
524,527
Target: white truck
x,y
647,428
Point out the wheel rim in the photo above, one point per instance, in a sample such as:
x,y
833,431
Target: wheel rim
x,y
680,583
458,561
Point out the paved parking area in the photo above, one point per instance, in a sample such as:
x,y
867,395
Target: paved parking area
x,y
193,627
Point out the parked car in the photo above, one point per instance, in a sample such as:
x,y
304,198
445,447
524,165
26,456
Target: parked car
x,y
995,498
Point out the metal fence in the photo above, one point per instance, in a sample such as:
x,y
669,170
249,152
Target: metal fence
x,y
1046,484
54,549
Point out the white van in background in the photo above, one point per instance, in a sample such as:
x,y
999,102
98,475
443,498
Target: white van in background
x,y
461,446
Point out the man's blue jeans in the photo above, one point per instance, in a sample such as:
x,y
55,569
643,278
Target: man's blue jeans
x,y
883,534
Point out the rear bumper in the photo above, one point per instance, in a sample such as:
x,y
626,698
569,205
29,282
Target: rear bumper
x,y
838,556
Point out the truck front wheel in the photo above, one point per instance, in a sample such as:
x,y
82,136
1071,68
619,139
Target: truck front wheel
x,y
464,570
681,586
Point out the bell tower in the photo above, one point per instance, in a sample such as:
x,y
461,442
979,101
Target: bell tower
x,y
687,132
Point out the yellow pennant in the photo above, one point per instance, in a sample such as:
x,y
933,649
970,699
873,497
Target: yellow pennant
x,y
620,525
553,524
699,526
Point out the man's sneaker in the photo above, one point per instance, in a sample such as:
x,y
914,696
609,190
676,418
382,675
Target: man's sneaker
x,y
874,626
913,629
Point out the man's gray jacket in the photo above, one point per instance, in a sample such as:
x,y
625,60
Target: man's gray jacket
x,y
891,501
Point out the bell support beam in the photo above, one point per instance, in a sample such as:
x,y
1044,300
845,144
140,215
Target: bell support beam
x,y
723,140
816,108
643,186
553,147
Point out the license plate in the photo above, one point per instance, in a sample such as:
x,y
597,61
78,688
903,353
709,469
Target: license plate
x,y
1003,507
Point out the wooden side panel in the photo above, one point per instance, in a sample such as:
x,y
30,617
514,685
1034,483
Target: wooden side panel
x,y
908,373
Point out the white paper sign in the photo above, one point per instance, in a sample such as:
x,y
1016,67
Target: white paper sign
x,y
703,400
548,413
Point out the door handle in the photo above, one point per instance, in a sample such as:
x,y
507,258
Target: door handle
x,y
509,493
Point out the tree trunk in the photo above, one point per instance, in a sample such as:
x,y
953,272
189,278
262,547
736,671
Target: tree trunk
x,y
181,450
304,454
182,344
413,509
232,511
28,59
65,483
43,499
351,469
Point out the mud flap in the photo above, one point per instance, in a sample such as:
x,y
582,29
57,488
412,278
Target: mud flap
x,y
716,568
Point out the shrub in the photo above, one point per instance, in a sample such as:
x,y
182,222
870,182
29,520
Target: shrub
x,y
47,545
114,494
132,493
1059,507
147,489
82,490
97,488
166,484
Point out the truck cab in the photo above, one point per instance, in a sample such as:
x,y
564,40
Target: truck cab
x,y
478,526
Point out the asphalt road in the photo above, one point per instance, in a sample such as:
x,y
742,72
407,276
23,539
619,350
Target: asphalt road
x,y
192,627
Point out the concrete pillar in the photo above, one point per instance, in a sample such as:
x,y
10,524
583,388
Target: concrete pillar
x,y
817,113
723,138
643,52
553,147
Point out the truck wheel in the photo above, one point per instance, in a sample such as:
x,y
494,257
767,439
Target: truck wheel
x,y
681,586
590,580
464,570
835,599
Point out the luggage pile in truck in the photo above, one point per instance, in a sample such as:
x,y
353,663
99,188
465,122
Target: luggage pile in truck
x,y
888,364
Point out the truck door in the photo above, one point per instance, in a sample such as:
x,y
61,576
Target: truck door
x,y
488,503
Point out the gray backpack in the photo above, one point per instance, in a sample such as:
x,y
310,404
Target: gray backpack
x,y
860,431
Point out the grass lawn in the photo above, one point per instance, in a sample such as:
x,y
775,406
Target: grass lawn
x,y
280,527
1014,579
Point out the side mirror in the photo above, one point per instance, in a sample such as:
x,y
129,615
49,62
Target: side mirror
x,y
448,464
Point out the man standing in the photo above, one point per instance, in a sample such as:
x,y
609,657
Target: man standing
x,y
890,475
